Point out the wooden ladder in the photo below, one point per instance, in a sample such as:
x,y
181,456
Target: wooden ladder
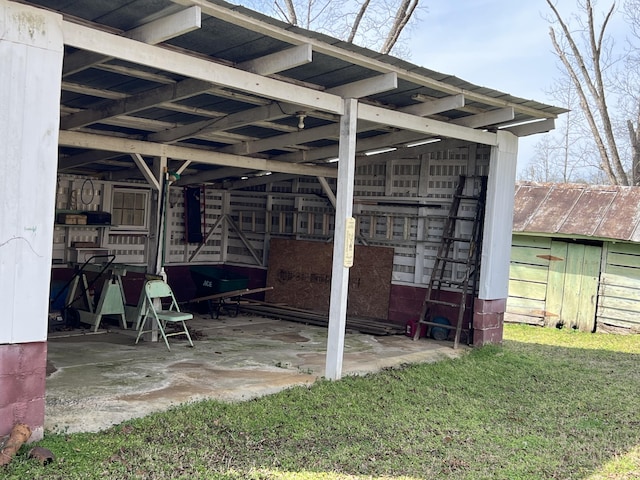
x,y
446,255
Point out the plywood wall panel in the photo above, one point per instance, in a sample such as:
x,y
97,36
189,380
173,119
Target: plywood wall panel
x,y
300,273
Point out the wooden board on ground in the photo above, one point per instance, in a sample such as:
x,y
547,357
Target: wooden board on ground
x,y
300,273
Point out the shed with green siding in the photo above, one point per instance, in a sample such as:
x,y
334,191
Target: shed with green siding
x,y
575,257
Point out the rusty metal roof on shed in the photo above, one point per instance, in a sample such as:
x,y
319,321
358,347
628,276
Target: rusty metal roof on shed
x,y
567,209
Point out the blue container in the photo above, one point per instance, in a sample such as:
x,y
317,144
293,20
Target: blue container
x,y
58,291
440,333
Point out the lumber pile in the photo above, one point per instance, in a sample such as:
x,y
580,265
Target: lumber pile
x,y
369,326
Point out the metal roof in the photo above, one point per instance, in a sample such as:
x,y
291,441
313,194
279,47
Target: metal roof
x,y
565,209
107,87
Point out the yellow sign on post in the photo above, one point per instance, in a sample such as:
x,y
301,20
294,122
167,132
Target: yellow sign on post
x,y
349,241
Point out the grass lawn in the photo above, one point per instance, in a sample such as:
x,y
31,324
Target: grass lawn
x,y
549,404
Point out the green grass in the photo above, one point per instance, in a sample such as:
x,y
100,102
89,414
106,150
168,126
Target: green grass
x,y
549,404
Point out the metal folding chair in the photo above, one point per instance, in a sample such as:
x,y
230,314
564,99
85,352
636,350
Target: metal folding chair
x,y
158,290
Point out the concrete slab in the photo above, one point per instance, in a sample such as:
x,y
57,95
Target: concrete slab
x,y
103,379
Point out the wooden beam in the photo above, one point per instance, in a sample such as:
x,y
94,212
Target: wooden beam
x,y
146,171
168,27
255,181
156,31
212,175
327,189
115,46
233,120
432,107
279,61
532,128
279,141
493,117
366,87
124,145
427,126
134,103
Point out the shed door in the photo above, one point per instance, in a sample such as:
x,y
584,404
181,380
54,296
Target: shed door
x,y
572,286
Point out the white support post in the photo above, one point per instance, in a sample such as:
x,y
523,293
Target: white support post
x,y
498,221
157,239
31,54
31,49
344,209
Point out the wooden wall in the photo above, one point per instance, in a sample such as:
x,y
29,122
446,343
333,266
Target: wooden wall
x,y
587,286
619,294
300,272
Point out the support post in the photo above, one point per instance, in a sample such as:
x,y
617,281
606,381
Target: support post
x,y
344,209
496,242
31,49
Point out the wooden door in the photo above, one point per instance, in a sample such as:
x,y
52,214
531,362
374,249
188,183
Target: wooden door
x,y
572,285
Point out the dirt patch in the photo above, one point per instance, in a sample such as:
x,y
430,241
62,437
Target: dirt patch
x,y
289,337
51,368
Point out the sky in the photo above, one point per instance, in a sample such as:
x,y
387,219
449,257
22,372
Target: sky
x,y
500,44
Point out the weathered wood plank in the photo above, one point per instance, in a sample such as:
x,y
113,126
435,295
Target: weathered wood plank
x,y
629,248
529,273
620,304
623,260
519,288
629,293
586,319
555,283
534,312
572,285
526,302
620,318
530,256
517,318
530,241
622,276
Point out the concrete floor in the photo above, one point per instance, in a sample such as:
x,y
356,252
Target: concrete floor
x,y
103,379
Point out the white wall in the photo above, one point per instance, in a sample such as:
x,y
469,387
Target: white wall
x,y
31,52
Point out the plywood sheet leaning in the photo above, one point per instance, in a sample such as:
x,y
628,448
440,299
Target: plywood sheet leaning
x,y
300,273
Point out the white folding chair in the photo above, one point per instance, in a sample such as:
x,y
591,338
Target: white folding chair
x,y
156,315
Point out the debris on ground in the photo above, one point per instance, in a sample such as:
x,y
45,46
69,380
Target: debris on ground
x,y
19,435
43,455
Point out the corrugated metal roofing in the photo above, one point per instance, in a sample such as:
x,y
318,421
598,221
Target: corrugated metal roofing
x,y
226,39
565,209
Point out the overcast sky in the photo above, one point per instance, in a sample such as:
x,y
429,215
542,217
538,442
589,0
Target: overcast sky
x,y
499,44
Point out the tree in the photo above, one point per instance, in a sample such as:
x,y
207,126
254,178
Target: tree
x,y
631,85
593,68
375,24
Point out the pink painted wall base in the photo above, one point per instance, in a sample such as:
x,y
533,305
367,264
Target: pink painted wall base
x,y
22,385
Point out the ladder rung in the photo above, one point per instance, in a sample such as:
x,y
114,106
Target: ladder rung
x,y
448,283
453,260
442,302
434,324
458,239
467,197
468,219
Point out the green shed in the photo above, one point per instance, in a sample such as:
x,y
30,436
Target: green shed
x,y
575,257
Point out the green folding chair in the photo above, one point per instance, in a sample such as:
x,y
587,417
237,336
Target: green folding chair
x,y
160,317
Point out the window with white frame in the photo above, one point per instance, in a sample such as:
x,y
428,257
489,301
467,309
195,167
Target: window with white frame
x,y
129,209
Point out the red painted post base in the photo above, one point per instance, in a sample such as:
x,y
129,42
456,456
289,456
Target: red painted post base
x,y
23,370
488,321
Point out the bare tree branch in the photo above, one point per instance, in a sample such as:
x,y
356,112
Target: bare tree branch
x,y
404,13
358,19
608,151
